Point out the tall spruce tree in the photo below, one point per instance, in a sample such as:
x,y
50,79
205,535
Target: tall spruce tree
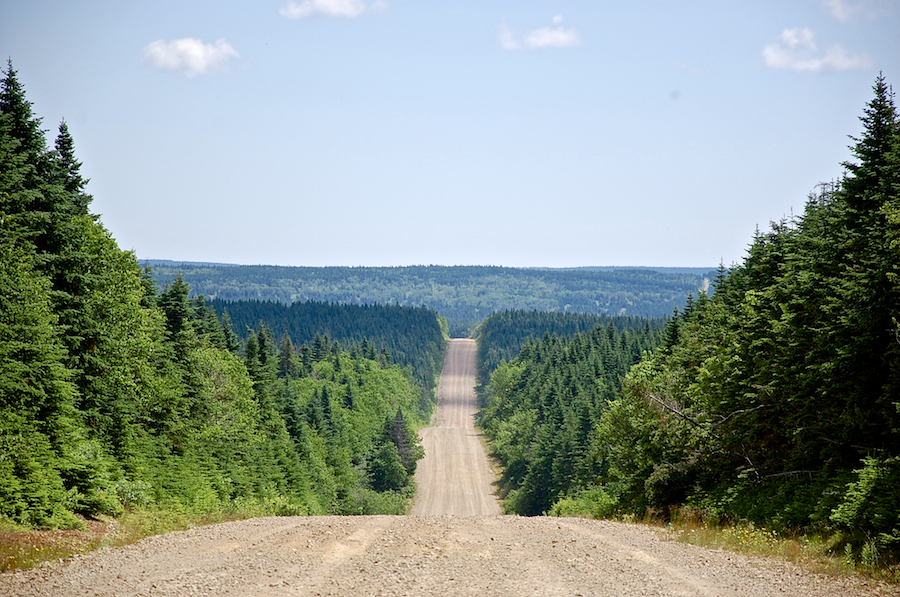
x,y
23,125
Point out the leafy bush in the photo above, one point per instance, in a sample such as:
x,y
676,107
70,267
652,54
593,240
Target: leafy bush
x,y
134,494
869,515
594,502
368,502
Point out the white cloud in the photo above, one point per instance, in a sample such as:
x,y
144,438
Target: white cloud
x,y
330,8
189,56
841,9
554,36
795,49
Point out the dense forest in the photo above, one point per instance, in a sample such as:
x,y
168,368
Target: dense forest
x,y
776,400
116,394
502,335
541,409
409,336
463,295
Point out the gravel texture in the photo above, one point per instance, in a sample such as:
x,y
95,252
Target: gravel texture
x,y
422,555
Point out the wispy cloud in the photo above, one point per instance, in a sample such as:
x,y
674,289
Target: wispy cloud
x,y
795,49
349,9
507,37
189,56
842,10
553,36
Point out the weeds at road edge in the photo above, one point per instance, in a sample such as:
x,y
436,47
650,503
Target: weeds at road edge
x,y
22,547
810,553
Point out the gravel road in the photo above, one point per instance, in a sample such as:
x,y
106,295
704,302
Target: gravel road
x,y
421,555
443,549
454,477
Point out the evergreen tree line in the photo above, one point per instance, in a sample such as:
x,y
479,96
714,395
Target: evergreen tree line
x,y
350,417
463,295
115,395
409,336
542,408
501,336
775,400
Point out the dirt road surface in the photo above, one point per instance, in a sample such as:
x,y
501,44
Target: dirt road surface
x,y
441,550
454,477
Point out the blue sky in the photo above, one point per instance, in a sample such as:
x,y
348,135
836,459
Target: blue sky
x,y
399,132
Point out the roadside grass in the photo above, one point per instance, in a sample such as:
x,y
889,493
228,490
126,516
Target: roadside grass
x,y
22,547
811,553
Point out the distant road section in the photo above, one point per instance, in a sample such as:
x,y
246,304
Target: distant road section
x,y
454,477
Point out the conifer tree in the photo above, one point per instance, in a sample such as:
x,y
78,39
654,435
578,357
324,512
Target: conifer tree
x,y
22,125
36,395
67,170
175,303
287,366
232,344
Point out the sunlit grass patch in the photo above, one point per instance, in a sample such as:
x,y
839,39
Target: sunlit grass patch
x,y
21,547
24,548
811,553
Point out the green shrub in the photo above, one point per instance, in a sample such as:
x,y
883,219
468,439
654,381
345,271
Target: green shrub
x,y
869,514
586,503
369,502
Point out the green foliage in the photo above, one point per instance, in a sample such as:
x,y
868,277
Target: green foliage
x,y
385,469
502,335
541,412
36,396
587,503
391,464
870,510
367,501
340,412
411,337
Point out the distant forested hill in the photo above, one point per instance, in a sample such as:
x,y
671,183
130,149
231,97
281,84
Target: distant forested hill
x,y
464,295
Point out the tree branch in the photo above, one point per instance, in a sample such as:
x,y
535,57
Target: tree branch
x,y
675,411
740,412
